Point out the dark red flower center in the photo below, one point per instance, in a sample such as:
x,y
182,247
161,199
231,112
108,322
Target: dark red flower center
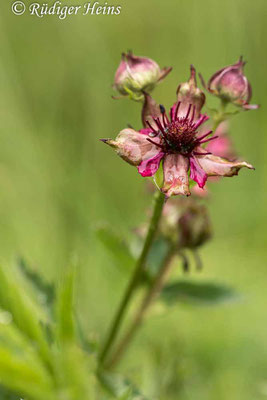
x,y
178,135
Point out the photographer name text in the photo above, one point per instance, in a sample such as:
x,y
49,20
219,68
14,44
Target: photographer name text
x,y
64,11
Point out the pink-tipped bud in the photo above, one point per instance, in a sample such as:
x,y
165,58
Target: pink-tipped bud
x,y
188,93
137,74
231,85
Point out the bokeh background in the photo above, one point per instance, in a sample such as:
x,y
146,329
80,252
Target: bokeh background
x,y
58,182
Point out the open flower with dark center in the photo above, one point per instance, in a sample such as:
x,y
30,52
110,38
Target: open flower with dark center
x,y
176,141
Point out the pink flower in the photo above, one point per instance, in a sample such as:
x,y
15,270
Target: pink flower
x,y
138,74
176,142
221,147
231,85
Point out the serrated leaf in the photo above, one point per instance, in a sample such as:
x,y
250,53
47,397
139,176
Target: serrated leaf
x,y
25,313
21,367
45,289
119,387
117,248
203,293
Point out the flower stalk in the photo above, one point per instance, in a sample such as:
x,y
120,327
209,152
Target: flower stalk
x,y
137,274
148,299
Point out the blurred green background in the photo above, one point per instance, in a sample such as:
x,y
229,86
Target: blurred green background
x,y
57,181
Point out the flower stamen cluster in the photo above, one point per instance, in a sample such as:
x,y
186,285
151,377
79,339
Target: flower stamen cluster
x,y
179,135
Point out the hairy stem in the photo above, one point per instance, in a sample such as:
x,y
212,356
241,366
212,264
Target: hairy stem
x,y
112,334
149,297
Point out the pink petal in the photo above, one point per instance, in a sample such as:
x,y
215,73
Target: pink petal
x,y
175,168
217,166
145,131
197,173
134,147
149,167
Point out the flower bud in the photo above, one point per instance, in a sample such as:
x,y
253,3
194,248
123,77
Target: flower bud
x,y
186,222
231,85
188,93
194,226
137,74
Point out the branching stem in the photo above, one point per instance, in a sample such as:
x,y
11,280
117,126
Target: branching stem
x,y
148,299
137,274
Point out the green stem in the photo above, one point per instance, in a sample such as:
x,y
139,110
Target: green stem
x,y
158,206
148,299
220,115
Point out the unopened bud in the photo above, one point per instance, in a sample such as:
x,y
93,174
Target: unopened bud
x,y
231,85
138,74
188,93
194,226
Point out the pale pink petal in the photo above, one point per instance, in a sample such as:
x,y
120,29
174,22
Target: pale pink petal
x,y
220,146
251,106
175,168
133,146
197,173
149,167
182,111
217,166
200,192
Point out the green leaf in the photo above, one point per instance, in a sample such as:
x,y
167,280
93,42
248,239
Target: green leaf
x,y
117,248
6,394
21,367
120,388
197,293
156,256
74,368
44,289
91,346
75,373
65,309
25,313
